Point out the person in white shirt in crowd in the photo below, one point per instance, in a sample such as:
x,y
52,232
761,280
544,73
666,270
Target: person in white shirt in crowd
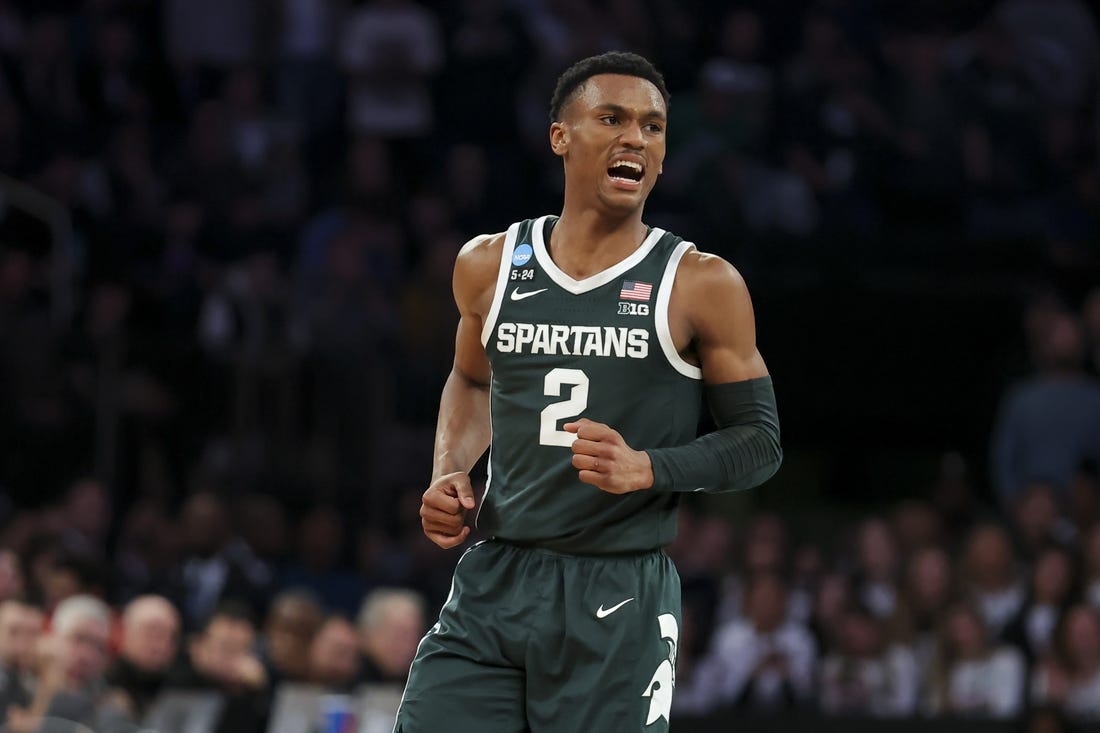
x,y
1052,585
925,593
762,662
876,553
990,578
1070,677
868,674
969,675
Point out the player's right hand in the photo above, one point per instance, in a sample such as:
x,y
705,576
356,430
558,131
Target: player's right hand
x,y
443,509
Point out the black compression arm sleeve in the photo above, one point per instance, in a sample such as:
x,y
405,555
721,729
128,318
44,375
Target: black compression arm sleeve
x,y
742,453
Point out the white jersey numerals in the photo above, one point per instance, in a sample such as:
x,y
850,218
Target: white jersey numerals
x,y
549,434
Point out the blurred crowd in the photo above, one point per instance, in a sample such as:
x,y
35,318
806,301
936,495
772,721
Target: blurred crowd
x,y
226,236
953,602
199,604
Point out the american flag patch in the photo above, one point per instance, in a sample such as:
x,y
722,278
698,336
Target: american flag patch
x,y
633,290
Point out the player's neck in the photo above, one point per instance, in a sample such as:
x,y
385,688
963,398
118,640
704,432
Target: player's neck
x,y
586,242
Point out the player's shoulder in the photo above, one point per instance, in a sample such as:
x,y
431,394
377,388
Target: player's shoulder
x,y
703,271
480,255
481,247
476,268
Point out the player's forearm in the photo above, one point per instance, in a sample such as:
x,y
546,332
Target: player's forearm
x,y
742,453
463,431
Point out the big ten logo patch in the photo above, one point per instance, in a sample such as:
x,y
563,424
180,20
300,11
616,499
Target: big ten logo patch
x,y
659,689
633,309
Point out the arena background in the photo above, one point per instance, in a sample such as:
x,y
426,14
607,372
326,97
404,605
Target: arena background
x,y
225,314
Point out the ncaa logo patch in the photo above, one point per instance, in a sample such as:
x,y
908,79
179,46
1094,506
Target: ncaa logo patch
x,y
522,255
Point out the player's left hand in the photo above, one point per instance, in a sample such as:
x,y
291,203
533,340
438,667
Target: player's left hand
x,y
605,460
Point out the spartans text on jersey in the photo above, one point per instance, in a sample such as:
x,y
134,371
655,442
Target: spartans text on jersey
x,y
547,338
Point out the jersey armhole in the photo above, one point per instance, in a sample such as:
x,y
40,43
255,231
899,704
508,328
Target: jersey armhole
x,y
502,280
660,317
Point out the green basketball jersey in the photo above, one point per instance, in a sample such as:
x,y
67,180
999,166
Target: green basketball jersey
x,y
562,349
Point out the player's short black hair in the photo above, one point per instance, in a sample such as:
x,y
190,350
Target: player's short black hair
x,y
612,62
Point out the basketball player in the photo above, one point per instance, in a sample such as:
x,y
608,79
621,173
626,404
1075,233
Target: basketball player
x,y
585,343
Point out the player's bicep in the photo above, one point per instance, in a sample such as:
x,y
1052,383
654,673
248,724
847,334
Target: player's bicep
x,y
471,361
473,285
724,325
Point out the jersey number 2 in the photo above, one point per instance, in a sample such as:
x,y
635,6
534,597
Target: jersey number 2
x,y
572,407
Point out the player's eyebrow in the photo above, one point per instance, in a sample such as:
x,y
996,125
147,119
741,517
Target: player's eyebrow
x,y
620,110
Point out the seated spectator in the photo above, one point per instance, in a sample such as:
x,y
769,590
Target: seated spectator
x,y
1083,503
391,624
214,568
1070,678
760,663
868,675
318,563
77,644
334,655
1038,521
990,577
72,660
877,574
971,677
150,641
807,570
833,595
925,594
144,549
1052,584
72,574
220,658
85,513
702,551
292,622
916,524
767,548
11,575
20,628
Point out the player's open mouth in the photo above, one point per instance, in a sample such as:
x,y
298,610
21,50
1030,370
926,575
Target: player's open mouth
x,y
626,174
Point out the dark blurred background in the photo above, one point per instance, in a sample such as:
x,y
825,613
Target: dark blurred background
x,y
227,229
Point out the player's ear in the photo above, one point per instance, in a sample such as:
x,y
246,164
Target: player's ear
x,y
559,137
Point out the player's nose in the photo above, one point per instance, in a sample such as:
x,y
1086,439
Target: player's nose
x,y
632,135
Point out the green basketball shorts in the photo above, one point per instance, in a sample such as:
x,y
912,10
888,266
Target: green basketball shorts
x,y
540,641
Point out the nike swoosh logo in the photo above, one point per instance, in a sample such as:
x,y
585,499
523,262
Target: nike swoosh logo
x,y
517,295
602,612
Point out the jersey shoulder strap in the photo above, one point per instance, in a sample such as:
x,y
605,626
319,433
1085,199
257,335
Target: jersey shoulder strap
x,y
510,254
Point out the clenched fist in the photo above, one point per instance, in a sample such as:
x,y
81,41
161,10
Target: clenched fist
x,y
604,460
443,509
